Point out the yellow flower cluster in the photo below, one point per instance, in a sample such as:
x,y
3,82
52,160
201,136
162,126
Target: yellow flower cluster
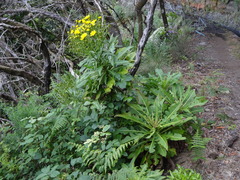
x,y
84,27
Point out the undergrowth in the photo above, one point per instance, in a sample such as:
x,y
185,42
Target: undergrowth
x,y
100,124
164,48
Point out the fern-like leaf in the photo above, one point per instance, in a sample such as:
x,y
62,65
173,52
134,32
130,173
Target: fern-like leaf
x,y
102,161
198,145
60,123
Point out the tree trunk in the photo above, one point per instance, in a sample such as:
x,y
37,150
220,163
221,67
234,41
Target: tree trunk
x,y
163,13
46,68
144,38
138,8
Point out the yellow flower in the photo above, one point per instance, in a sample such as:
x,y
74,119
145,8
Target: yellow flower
x,y
72,32
87,29
92,33
87,22
77,31
93,22
83,36
87,17
82,27
99,17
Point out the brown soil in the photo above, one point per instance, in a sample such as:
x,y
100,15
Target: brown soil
x,y
216,74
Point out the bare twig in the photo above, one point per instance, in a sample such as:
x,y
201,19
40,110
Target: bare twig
x,y
122,23
28,59
5,120
39,11
100,9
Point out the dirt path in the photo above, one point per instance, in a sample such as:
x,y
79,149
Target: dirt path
x,y
218,54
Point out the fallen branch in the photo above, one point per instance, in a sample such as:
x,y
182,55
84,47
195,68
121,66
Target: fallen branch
x,y
28,59
11,24
17,72
40,12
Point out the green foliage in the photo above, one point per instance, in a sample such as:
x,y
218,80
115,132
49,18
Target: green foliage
x,y
30,105
165,47
197,145
63,90
133,173
105,159
159,117
44,144
101,124
106,70
183,174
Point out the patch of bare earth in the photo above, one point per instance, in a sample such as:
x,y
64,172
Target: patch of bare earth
x,y
216,74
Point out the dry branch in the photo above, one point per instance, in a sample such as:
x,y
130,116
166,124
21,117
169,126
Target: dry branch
x,y
2,121
11,24
40,12
21,73
28,59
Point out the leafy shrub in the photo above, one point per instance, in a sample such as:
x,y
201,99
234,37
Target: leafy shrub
x,y
45,147
184,174
50,145
30,105
160,116
106,70
84,138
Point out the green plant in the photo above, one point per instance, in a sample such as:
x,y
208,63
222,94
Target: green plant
x,y
63,90
106,70
103,159
87,35
82,132
42,143
197,145
30,105
210,85
160,117
133,173
183,174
